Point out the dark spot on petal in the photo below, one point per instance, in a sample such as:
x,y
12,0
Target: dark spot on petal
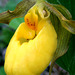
x,y
31,24
27,20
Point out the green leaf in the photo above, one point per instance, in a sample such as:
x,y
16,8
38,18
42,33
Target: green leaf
x,y
53,1
2,72
16,22
68,60
19,11
6,35
73,8
10,5
66,3
2,45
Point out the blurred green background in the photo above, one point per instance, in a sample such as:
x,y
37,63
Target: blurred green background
x,y
67,61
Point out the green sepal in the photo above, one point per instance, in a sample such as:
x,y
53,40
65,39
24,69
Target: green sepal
x,y
19,11
66,23
63,24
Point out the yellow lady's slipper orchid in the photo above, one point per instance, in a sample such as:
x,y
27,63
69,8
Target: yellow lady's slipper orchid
x,y
32,46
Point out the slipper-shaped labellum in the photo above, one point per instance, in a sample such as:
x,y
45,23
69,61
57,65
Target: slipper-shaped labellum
x,y
33,45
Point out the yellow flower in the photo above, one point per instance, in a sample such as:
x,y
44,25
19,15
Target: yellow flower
x,y
32,46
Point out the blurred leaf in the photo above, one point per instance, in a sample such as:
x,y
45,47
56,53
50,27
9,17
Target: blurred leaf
x,y
16,22
1,60
53,1
10,5
2,72
2,45
6,35
72,8
19,11
68,60
0,57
